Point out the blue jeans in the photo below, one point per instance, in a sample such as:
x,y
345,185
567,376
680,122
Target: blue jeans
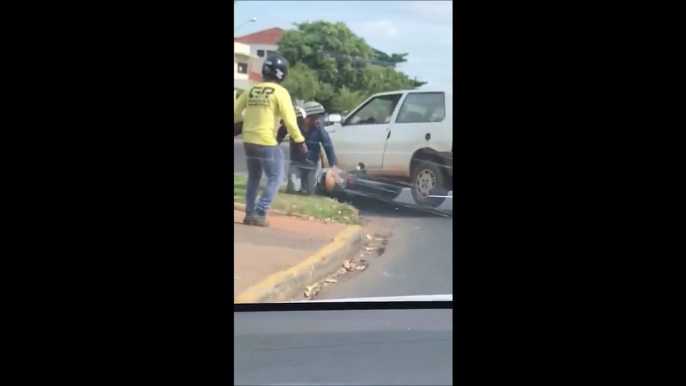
x,y
307,174
259,158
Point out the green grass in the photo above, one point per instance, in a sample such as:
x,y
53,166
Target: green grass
x,y
317,207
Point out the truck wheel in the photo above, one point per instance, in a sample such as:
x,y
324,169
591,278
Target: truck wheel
x,y
427,180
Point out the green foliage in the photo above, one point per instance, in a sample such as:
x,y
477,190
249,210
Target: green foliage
x,y
302,82
333,66
326,95
346,100
331,49
382,58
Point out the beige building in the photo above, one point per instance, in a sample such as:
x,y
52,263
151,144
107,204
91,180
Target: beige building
x,y
241,68
260,44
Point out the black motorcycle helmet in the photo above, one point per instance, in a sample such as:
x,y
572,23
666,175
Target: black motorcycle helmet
x,y
275,68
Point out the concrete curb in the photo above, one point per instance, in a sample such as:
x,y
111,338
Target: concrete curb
x,y
287,284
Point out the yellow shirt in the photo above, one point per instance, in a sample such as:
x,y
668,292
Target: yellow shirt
x,y
265,104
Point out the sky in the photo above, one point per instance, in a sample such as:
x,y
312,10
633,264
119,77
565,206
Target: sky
x,y
423,29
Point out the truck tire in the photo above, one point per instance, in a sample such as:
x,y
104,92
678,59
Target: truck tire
x,y
427,179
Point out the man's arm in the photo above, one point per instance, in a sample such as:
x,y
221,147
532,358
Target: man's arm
x,y
281,134
328,148
239,106
288,115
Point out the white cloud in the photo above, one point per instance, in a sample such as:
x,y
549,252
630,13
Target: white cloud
x,y
430,11
375,29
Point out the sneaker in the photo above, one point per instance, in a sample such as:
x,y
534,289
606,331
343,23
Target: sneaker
x,y
249,220
260,221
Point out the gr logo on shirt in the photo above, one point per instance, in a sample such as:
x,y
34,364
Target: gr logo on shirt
x,y
259,96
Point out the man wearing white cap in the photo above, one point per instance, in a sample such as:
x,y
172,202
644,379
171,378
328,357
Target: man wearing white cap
x,y
304,166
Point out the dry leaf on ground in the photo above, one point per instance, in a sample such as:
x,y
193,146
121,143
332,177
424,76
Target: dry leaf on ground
x,y
312,290
349,265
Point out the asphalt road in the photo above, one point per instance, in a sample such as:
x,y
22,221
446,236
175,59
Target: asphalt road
x,y
418,259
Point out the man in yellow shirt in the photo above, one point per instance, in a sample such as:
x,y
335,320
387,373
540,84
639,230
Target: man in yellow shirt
x,y
265,104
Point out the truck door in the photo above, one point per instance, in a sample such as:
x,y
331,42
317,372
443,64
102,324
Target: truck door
x,y
362,135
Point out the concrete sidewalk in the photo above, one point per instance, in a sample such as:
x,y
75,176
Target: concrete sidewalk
x,y
284,256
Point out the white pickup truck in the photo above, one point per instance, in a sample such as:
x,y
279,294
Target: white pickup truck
x,y
403,135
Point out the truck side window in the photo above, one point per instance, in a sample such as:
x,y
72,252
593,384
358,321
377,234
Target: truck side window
x,y
422,107
377,110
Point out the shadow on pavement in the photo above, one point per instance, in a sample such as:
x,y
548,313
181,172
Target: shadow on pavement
x,y
374,206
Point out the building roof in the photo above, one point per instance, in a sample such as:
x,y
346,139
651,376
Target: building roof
x,y
268,36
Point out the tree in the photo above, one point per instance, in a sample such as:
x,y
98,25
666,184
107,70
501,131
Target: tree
x,y
342,64
325,95
377,79
302,82
383,59
331,49
346,100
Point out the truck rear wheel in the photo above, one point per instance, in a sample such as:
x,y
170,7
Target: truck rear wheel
x,y
427,180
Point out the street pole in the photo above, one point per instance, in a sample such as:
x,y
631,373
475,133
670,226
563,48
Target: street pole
x,y
254,19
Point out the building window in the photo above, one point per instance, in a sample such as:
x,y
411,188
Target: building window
x,y
242,68
272,53
260,53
